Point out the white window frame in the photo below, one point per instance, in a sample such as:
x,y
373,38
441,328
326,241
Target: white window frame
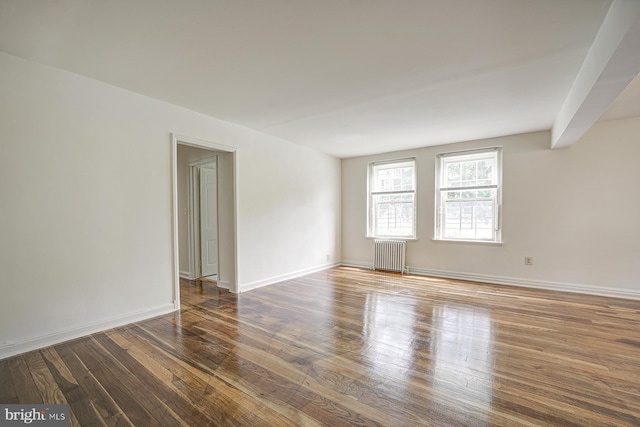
x,y
372,193
496,184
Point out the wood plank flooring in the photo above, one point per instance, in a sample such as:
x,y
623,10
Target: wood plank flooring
x,y
351,347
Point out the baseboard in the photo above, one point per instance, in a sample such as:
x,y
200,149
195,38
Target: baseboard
x,y
530,283
270,281
356,264
12,349
186,275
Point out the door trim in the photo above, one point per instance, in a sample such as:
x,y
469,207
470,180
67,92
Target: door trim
x,y
177,139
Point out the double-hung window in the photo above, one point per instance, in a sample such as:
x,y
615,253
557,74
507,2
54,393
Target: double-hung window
x,y
468,193
392,199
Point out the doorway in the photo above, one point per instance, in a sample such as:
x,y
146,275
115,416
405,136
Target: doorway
x,y
219,246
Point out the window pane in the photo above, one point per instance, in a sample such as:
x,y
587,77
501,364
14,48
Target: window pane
x,y
468,173
453,175
485,172
387,178
464,219
468,170
394,215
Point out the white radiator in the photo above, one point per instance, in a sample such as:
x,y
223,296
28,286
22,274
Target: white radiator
x,y
389,255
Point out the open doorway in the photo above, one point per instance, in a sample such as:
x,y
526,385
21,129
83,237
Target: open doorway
x,y
204,212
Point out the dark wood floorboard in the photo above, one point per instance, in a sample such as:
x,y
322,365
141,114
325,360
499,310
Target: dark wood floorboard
x,y
351,347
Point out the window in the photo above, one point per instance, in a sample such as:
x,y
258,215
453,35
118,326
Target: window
x,y
392,193
468,192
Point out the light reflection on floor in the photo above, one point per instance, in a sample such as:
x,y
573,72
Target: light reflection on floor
x,y
458,339
389,331
462,354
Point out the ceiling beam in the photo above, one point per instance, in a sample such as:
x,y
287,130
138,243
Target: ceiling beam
x,y
612,62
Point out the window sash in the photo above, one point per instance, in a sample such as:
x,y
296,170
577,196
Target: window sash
x,y
383,173
394,215
469,218
464,161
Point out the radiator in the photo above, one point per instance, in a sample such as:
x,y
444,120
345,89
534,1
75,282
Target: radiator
x,y
389,255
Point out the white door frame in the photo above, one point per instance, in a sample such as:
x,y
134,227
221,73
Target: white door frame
x,y
194,215
176,140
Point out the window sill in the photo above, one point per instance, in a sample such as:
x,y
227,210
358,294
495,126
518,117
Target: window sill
x,y
467,242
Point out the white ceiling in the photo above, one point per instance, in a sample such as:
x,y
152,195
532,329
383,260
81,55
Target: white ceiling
x,y
347,77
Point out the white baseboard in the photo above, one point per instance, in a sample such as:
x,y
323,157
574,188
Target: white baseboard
x,y
531,283
186,275
515,281
14,348
357,264
270,281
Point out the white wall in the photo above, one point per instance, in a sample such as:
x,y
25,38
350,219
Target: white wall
x,y
85,204
295,212
575,211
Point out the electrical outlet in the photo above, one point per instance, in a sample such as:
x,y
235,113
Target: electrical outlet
x,y
328,257
528,260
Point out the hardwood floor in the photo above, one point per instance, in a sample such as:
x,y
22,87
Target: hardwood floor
x,y
351,347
